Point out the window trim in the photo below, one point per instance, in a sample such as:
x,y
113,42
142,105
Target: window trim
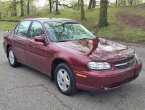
x,y
31,27
46,32
42,23
45,35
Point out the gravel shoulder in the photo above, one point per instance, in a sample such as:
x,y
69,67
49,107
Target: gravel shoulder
x,y
26,89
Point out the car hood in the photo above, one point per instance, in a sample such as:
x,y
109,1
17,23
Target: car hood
x,y
99,49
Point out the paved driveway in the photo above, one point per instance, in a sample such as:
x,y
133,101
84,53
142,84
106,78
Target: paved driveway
x,y
26,89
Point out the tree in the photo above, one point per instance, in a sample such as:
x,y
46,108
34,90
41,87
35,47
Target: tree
x,y
82,10
78,4
50,6
116,3
15,7
0,15
130,2
56,7
103,13
92,4
28,7
121,2
22,7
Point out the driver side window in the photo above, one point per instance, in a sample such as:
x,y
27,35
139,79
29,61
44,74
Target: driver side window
x,y
36,30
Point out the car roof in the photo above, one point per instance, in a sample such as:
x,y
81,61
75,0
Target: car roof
x,y
63,20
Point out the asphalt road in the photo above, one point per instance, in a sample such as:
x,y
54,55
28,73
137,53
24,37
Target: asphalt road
x,y
26,89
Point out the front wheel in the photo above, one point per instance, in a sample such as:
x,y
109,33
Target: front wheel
x,y
65,80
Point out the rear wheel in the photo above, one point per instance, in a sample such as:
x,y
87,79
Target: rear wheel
x,y
65,80
12,59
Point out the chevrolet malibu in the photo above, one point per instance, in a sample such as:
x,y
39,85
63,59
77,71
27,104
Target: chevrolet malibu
x,y
71,55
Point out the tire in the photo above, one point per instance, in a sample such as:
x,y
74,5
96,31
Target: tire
x,y
12,59
65,80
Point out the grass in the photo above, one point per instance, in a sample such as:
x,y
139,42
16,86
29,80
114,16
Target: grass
x,y
114,31
6,26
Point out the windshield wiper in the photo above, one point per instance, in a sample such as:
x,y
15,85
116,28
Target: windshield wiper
x,y
63,40
83,39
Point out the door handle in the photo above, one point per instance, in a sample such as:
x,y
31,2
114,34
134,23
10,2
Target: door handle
x,y
29,45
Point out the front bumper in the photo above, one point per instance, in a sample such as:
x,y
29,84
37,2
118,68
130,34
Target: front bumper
x,y
96,81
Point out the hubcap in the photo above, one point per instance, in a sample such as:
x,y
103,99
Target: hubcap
x,y
11,57
63,80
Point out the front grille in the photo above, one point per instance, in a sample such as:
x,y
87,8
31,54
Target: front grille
x,y
126,63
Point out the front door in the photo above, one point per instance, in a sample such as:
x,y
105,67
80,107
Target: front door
x,y
37,52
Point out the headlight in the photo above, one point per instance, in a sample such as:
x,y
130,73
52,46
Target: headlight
x,y
99,65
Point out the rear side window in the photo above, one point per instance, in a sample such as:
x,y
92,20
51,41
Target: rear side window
x,y
36,29
22,28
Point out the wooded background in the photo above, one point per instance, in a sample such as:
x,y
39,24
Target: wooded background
x,y
111,19
26,7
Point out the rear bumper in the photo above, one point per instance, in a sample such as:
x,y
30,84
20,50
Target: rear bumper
x,y
96,81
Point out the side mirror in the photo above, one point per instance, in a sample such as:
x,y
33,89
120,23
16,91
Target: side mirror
x,y
40,39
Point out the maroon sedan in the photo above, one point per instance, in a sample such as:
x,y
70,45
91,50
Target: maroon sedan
x,y
71,55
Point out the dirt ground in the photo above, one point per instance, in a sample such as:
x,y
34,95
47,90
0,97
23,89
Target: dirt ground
x,y
131,20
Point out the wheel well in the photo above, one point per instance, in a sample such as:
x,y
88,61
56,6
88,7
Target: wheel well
x,y
54,64
8,46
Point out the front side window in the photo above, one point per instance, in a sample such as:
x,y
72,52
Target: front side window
x,y
22,28
67,31
36,29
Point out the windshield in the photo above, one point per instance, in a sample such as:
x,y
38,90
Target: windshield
x,y
68,31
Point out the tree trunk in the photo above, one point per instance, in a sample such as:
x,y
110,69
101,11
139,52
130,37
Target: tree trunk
x,y
116,3
94,4
0,15
130,2
15,8
22,8
90,4
78,4
56,10
28,7
103,13
50,6
82,10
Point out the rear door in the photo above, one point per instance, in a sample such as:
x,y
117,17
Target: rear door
x,y
36,52
19,40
